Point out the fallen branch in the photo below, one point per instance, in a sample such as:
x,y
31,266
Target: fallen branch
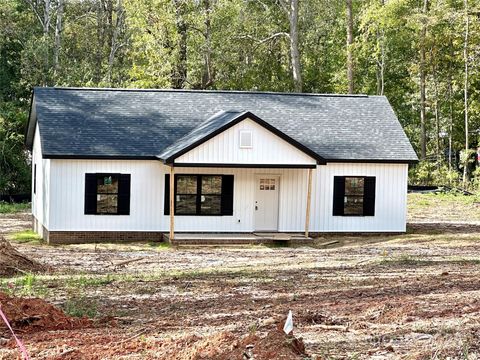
x,y
123,263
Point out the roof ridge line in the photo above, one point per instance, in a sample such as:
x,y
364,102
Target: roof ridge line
x,y
205,91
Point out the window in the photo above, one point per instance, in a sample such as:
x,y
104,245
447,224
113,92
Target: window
x,y
267,184
107,194
200,194
246,139
354,196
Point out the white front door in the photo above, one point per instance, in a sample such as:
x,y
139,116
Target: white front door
x,y
266,202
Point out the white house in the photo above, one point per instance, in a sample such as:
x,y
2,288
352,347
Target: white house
x,y
125,164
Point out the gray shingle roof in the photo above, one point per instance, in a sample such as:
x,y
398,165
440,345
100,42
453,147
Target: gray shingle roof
x,y
76,122
206,128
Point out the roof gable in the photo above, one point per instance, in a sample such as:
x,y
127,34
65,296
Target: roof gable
x,y
219,123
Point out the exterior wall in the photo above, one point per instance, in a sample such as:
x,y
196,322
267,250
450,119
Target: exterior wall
x,y
390,198
40,199
147,198
68,196
292,202
267,148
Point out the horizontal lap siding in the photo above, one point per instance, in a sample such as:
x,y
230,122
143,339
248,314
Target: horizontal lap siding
x,y
267,148
390,202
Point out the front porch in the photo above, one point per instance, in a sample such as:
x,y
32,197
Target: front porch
x,y
185,239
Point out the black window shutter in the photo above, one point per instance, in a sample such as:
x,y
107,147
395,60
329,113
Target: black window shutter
x,y
369,196
166,197
90,194
123,206
338,195
227,195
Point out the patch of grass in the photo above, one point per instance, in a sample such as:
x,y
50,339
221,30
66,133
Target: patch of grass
x,y
27,285
8,208
406,260
27,236
157,245
86,281
81,306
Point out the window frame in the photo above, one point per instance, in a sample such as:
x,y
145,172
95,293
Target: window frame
x,y
198,194
124,183
366,195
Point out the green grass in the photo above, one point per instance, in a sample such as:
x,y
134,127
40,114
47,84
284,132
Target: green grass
x,y
87,281
81,306
27,236
28,285
157,245
7,208
452,206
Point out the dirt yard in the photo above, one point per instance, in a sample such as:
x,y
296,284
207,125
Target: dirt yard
x,y
411,296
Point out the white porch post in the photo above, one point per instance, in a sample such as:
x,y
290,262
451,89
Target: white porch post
x,y
309,200
172,203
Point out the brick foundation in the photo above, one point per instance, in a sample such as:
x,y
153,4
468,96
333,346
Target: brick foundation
x,y
82,237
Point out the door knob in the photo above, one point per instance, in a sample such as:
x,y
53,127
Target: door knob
x,y
256,207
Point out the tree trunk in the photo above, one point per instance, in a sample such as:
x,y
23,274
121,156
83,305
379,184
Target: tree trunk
x,y
115,45
450,126
294,52
58,34
423,133
381,59
207,76
349,46
437,110
46,30
180,71
100,41
465,90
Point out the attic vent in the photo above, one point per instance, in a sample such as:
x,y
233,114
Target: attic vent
x,y
246,139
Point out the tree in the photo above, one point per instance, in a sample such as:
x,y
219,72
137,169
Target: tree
x,y
350,46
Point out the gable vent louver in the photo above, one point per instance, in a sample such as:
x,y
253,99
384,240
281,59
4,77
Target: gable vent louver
x,y
246,139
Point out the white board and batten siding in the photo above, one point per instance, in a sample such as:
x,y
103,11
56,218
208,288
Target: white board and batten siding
x,y
390,198
41,196
68,196
147,198
267,148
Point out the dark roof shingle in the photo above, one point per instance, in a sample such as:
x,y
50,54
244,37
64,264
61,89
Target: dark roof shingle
x,y
81,122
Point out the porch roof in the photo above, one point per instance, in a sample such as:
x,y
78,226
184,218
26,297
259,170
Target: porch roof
x,y
220,122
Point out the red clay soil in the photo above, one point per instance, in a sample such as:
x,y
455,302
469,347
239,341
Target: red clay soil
x,y
32,315
226,345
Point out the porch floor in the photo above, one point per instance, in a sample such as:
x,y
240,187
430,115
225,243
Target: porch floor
x,y
238,238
